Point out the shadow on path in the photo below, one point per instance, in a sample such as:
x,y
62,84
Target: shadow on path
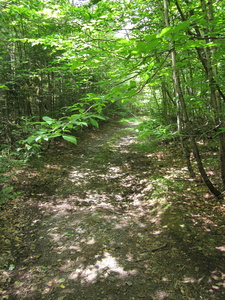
x,y
96,229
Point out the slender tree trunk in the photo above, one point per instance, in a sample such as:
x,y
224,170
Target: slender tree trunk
x,y
183,116
205,57
215,94
181,108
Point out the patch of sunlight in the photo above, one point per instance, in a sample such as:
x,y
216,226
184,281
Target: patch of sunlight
x,y
78,174
91,241
165,279
174,173
122,224
137,200
74,248
157,232
102,268
132,121
221,248
56,237
188,280
114,172
160,295
51,167
148,188
126,142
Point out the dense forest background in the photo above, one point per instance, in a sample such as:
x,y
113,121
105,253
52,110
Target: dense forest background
x,y
66,65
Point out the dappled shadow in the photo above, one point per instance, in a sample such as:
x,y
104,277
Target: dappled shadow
x,y
103,231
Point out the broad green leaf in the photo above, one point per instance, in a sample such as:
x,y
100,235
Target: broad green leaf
x,y
75,122
94,122
146,47
48,120
181,26
42,131
125,100
4,87
75,65
193,44
31,139
98,116
165,31
70,139
69,234
142,47
133,84
70,125
54,135
150,37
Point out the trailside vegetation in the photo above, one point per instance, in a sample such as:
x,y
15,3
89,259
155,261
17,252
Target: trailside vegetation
x,y
70,64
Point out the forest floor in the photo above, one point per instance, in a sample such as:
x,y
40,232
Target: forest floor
x,y
112,218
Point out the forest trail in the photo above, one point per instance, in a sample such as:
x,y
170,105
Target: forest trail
x,y
91,226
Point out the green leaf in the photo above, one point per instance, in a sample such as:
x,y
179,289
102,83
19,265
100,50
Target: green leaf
x,y
94,122
69,234
98,117
48,120
42,131
30,139
142,47
181,26
165,31
133,84
70,139
75,122
54,135
4,87
75,65
150,37
11,267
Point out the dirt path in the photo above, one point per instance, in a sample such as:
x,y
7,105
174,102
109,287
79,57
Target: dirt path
x,y
90,227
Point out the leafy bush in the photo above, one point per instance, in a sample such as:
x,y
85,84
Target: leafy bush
x,y
7,165
152,128
41,133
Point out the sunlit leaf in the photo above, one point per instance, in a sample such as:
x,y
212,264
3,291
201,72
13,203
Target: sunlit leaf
x,y
69,234
48,120
11,267
150,37
165,31
70,138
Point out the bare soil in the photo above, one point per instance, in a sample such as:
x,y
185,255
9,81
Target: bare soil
x,y
110,220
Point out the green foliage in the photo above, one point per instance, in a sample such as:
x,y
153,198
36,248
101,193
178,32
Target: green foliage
x,y
97,58
154,129
43,132
7,165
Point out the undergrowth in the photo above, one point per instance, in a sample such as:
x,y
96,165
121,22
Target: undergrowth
x,y
8,167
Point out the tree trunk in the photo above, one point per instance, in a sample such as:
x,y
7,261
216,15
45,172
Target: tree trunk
x,y
181,107
183,120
